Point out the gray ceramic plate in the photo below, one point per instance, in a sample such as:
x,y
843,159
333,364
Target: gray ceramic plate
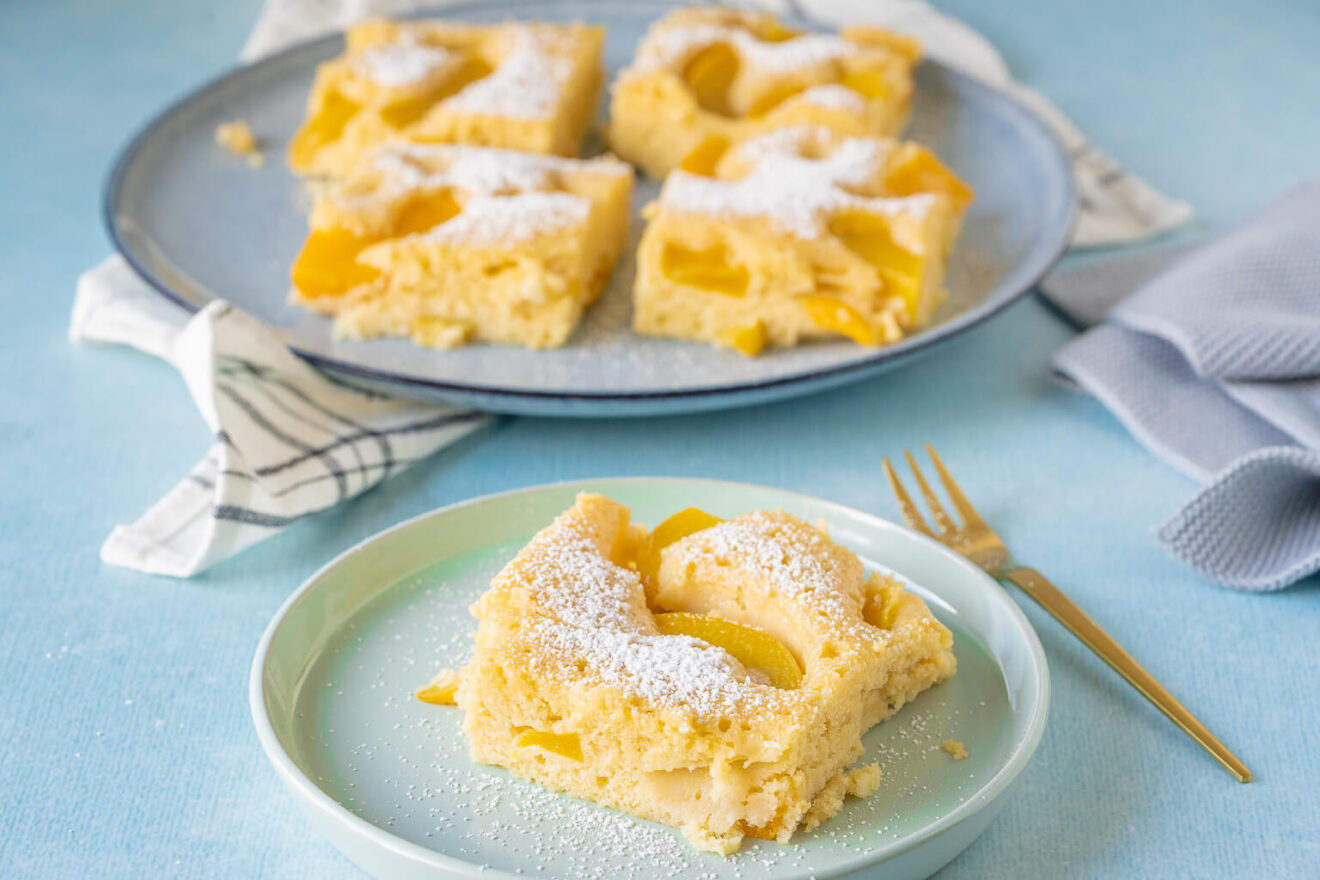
x,y
388,779
200,224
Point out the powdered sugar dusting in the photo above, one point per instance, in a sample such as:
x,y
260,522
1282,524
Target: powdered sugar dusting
x,y
486,170
404,62
831,96
597,613
528,82
785,555
796,193
798,53
502,219
672,47
505,195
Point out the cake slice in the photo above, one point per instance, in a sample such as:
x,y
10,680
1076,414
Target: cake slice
x,y
720,74
446,245
519,85
712,676
797,234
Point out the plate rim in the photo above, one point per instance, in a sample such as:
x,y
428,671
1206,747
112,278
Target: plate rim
x,y
1037,268
304,789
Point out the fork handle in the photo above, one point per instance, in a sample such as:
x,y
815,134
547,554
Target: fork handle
x,y
1038,587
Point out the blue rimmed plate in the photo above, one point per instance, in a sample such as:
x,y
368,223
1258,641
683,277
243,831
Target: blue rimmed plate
x,y
199,225
388,779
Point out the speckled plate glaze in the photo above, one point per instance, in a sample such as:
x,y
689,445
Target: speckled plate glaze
x,y
388,779
199,224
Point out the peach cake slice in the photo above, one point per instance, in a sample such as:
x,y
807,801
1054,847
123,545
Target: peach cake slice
x,y
519,85
714,676
446,244
798,234
719,74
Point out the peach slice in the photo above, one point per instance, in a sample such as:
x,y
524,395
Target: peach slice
x,y
869,237
900,44
917,170
708,269
752,647
566,745
705,156
327,265
404,113
686,522
749,340
774,32
867,83
325,128
882,604
772,98
423,212
829,313
710,74
441,690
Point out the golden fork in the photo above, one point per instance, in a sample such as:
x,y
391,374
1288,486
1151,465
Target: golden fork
x,y
978,542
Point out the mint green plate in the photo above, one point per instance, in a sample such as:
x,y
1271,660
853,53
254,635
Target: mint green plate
x,y
388,779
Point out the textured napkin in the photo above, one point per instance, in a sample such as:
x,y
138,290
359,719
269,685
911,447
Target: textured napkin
x,y
1213,363
290,442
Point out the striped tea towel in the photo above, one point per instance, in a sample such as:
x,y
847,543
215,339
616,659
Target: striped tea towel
x,y
1213,363
1114,207
309,443
289,442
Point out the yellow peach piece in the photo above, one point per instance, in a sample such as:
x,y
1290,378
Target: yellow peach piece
x,y
919,171
752,647
323,129
327,264
749,340
869,237
866,83
678,526
424,212
566,745
710,74
882,603
709,270
828,313
441,690
705,156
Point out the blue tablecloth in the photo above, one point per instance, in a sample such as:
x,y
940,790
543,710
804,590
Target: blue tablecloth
x,y
128,751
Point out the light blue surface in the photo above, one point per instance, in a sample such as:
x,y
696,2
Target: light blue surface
x,y
128,749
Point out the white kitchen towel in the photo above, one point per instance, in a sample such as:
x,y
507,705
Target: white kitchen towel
x,y
1212,361
1113,207
289,442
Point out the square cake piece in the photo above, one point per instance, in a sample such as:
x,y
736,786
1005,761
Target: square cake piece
x,y
721,75
448,244
798,233
714,676
520,85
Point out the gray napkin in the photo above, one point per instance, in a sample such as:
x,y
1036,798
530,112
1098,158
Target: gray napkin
x,y
1211,358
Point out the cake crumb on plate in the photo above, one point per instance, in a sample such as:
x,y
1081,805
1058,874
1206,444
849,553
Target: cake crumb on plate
x,y
956,749
237,138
